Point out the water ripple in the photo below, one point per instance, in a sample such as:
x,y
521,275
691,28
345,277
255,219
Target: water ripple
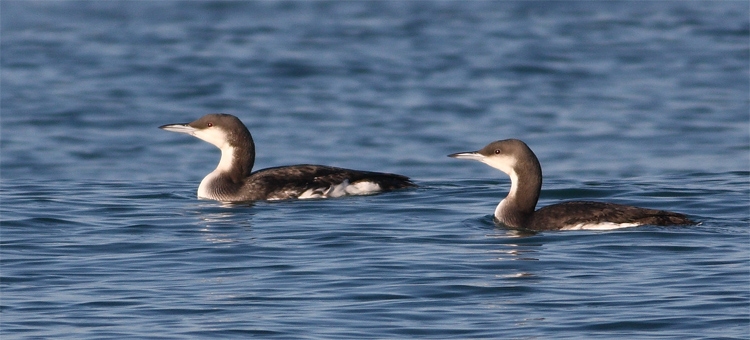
x,y
102,235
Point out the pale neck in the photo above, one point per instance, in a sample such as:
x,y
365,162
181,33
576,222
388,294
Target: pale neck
x,y
521,201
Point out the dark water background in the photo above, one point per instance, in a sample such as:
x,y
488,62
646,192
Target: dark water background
x,y
101,236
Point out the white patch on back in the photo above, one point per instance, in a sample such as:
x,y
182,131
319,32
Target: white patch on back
x,y
600,226
342,189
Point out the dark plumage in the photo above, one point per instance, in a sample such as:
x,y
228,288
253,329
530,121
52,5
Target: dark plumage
x,y
292,181
234,181
586,212
516,159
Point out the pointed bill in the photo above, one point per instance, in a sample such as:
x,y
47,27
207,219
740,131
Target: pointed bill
x,y
181,128
473,155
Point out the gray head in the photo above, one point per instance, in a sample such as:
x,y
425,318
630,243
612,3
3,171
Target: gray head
x,y
516,159
228,134
215,128
510,156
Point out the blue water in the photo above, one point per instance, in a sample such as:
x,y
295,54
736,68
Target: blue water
x,y
643,103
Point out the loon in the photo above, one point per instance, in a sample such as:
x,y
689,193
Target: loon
x,y
234,181
516,211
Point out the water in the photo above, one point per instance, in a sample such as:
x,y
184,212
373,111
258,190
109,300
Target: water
x,y
639,103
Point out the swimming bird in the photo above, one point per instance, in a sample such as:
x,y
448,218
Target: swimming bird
x,y
234,181
516,159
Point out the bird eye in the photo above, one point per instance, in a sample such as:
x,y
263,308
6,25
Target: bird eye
x,y
497,151
210,124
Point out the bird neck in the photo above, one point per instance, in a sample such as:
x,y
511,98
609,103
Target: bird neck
x,y
516,208
237,162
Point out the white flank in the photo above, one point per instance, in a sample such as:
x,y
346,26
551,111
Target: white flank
x,y
600,226
363,188
342,189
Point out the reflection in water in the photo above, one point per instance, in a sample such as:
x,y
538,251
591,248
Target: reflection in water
x,y
218,217
519,247
520,233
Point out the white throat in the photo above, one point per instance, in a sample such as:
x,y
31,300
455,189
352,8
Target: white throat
x,y
225,165
213,135
505,164
227,159
511,195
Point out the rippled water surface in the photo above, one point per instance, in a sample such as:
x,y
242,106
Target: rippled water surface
x,y
101,235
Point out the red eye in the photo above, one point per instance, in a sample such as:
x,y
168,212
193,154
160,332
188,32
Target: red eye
x,y
210,124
